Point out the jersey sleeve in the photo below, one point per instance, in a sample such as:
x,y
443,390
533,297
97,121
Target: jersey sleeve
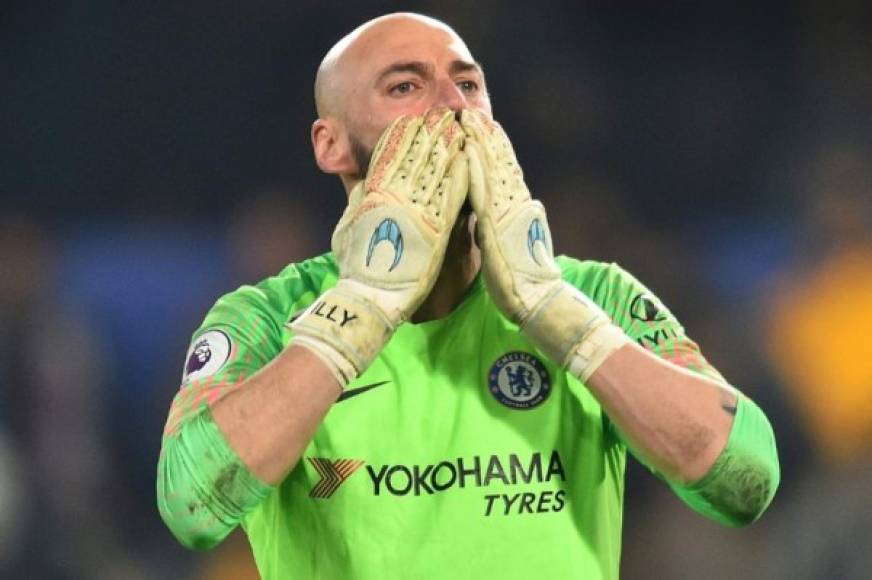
x,y
641,315
743,480
204,490
237,338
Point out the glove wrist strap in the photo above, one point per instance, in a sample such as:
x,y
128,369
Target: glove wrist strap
x,y
591,352
344,330
573,331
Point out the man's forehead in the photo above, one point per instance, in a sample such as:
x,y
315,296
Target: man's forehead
x,y
408,40
361,55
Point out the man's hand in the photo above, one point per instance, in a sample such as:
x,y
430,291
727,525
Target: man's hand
x,y
390,242
518,259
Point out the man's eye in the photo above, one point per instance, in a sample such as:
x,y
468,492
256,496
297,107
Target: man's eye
x,y
468,86
403,88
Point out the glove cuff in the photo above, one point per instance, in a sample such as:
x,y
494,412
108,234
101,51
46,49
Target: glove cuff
x,y
344,330
573,331
594,349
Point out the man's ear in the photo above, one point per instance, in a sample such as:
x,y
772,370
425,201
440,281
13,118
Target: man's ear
x,y
332,148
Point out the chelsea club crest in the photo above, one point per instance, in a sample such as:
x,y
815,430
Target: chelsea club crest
x,y
519,380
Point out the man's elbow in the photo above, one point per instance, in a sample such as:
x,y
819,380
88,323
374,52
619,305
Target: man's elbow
x,y
203,488
193,537
745,478
186,515
750,494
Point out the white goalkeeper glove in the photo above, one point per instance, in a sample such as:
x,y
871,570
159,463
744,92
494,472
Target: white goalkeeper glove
x,y
518,263
390,242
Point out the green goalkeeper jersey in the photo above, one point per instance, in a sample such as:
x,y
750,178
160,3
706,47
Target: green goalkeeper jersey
x,y
461,452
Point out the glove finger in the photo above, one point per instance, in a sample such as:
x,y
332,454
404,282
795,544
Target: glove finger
x,y
479,128
453,132
478,190
421,146
501,147
430,184
446,190
420,149
436,135
471,124
456,185
437,119
500,155
502,166
391,151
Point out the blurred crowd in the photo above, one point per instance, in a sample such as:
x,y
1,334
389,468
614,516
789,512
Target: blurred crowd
x,y
721,156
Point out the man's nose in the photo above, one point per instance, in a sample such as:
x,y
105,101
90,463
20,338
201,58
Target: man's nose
x,y
449,95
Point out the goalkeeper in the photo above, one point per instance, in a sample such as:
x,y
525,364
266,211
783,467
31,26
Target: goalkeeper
x,y
440,396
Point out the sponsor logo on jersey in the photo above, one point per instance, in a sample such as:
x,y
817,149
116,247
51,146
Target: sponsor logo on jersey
x,y
208,354
519,380
476,471
644,308
494,471
387,230
332,474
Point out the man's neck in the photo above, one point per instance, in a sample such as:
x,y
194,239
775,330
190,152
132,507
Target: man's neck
x,y
461,265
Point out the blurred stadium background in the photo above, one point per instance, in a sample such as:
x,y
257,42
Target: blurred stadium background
x,y
155,155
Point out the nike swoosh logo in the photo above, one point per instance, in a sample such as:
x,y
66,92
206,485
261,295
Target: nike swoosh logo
x,y
358,390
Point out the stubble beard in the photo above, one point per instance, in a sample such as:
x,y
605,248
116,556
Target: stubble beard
x,y
361,154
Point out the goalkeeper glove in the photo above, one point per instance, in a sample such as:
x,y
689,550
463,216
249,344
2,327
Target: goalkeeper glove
x,y
390,242
518,263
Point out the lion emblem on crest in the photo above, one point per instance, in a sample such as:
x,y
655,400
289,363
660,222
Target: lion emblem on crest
x,y
199,357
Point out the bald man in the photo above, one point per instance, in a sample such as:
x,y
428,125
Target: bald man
x,y
441,397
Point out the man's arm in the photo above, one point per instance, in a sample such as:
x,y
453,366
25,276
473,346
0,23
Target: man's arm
x,y
713,445
676,420
230,438
222,462
679,423
289,398
744,475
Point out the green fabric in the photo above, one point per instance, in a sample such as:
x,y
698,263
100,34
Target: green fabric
x,y
428,474
741,484
203,487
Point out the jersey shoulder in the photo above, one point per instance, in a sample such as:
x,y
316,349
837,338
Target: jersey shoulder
x,y
299,284
243,330
638,311
276,298
628,302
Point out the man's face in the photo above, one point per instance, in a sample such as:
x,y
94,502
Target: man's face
x,y
406,67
